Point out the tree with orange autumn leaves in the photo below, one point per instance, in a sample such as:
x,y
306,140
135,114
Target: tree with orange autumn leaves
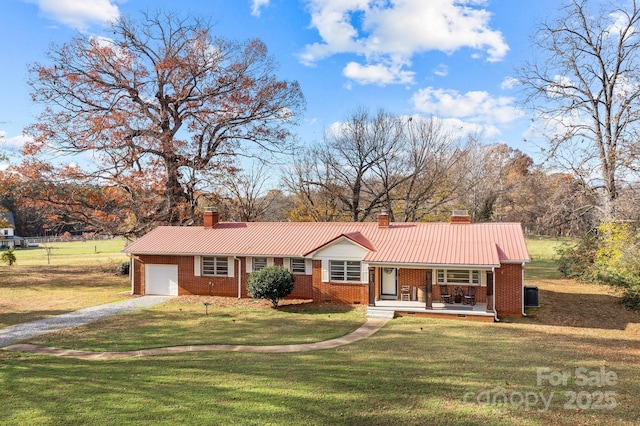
x,y
147,118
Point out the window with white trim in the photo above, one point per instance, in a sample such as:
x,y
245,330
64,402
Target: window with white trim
x,y
259,263
298,266
345,270
215,266
458,276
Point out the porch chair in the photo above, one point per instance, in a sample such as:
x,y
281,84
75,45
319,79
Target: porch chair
x,y
445,296
470,297
405,292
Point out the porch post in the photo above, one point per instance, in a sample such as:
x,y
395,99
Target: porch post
x,y
490,285
429,285
372,286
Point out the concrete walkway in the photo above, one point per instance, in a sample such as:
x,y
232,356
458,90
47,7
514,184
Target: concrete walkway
x,y
29,330
10,335
370,327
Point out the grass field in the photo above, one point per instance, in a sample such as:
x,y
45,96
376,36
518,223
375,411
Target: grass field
x,y
80,275
101,252
412,372
544,257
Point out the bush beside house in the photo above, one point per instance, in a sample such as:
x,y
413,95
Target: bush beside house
x,y
272,283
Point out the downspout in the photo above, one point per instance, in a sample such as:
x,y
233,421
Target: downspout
x,y
239,269
522,293
493,284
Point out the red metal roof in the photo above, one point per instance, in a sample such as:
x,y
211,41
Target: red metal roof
x,y
475,244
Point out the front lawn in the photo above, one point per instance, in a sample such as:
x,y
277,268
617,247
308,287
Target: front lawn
x,y
184,321
29,293
412,372
80,274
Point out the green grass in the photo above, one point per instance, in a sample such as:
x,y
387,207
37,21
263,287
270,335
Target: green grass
x,y
414,371
29,293
542,251
73,253
176,323
80,274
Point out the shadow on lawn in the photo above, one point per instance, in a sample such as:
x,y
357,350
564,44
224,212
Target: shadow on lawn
x,y
12,318
580,310
311,307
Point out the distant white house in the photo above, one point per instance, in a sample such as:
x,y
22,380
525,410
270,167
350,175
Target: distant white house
x,y
8,239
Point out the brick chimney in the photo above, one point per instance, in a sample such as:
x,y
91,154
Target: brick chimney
x,y
211,217
383,220
460,216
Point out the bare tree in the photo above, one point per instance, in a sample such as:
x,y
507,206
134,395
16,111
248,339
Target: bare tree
x,y
247,194
350,155
371,162
585,86
316,194
432,160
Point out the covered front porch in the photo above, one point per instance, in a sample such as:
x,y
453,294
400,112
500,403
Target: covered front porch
x,y
399,290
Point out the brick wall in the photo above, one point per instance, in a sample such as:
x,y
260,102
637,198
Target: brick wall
x,y
508,295
188,284
138,276
412,278
351,293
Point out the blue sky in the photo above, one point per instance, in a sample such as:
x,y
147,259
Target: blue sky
x,y
454,59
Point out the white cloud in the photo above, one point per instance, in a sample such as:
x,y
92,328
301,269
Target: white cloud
x,y
441,70
460,128
619,24
257,5
78,13
562,86
392,31
509,83
14,143
377,74
475,106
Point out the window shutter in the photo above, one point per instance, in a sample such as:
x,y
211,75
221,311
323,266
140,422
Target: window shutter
x,y
364,273
483,278
308,266
231,265
197,266
269,261
286,263
249,261
325,271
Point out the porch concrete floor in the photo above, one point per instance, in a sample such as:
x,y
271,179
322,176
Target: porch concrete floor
x,y
479,309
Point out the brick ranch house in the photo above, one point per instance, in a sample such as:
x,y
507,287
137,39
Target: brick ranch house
x,y
391,267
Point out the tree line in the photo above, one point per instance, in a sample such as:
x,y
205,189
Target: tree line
x,y
413,168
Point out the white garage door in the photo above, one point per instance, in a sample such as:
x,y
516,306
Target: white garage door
x,y
161,279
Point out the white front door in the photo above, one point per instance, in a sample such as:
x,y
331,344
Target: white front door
x,y
161,280
389,283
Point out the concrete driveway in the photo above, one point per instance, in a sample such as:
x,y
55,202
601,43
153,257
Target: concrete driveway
x,y
28,330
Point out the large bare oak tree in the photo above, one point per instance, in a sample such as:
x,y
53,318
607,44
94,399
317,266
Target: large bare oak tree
x,y
156,106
